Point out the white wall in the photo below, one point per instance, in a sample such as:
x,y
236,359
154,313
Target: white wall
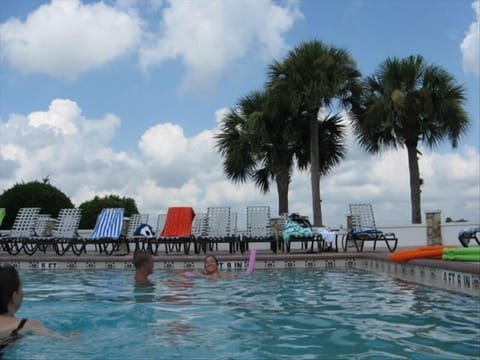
x,y
416,234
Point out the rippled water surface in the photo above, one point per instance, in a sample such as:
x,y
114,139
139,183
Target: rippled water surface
x,y
311,314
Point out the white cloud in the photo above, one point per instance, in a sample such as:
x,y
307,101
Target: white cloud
x,y
66,38
158,141
470,45
60,117
191,29
173,169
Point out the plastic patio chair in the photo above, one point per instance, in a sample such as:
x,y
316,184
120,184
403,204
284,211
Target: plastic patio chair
x,y
22,235
258,228
199,231
107,234
3,212
140,242
65,231
177,230
297,228
221,225
364,229
464,236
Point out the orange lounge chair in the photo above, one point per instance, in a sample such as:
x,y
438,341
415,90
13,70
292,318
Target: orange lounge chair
x,y
177,230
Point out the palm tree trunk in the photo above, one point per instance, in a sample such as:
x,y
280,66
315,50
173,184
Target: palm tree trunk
x,y
315,170
283,183
414,184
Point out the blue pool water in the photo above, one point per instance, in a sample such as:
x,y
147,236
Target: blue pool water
x,y
301,314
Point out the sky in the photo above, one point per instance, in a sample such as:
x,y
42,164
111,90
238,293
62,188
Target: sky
x,y
125,97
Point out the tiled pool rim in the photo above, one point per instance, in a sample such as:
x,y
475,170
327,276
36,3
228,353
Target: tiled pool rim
x,y
460,277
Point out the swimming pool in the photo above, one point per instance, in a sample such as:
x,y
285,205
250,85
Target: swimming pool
x,y
309,314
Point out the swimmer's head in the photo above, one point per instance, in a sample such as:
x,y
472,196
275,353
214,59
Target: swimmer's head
x,y
210,264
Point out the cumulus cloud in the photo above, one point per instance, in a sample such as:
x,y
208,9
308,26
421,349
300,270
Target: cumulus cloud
x,y
189,30
66,38
170,168
470,45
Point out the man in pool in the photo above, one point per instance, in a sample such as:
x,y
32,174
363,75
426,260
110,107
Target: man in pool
x,y
144,264
11,297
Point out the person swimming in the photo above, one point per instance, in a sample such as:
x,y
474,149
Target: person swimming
x,y
210,266
11,297
144,265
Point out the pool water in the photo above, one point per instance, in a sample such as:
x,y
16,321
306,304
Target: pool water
x,y
277,314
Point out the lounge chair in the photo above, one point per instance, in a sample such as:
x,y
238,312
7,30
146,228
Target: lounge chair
x,y
177,230
364,229
221,226
466,235
160,222
141,242
42,235
3,212
65,231
107,234
258,228
22,232
297,228
199,231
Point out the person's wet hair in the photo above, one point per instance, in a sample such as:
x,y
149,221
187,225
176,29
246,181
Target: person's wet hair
x,y
9,283
140,258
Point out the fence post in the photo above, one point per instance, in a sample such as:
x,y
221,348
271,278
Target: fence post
x,y
434,227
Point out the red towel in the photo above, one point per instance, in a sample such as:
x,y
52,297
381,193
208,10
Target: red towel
x,y
178,222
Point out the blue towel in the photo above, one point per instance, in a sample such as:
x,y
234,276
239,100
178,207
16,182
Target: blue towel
x,y
365,230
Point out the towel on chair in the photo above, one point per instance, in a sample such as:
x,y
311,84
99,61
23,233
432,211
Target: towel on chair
x,y
178,222
292,228
327,235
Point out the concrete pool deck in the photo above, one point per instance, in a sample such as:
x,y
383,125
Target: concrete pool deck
x,y
456,276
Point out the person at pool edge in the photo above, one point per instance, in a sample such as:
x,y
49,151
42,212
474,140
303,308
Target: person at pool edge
x,y
144,265
11,297
210,265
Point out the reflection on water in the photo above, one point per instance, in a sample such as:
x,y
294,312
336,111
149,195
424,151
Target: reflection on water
x,y
270,315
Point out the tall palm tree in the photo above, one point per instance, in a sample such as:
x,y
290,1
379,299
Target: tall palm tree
x,y
257,147
260,141
407,101
314,76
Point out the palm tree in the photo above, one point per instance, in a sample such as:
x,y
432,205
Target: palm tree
x,y
315,76
260,141
406,102
257,147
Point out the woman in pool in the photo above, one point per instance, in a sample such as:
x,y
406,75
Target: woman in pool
x,y
210,265
11,296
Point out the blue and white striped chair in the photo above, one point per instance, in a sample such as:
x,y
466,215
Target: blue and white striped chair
x,y
107,234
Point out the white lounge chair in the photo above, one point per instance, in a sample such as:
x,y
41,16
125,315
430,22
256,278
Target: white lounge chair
x,y
364,229
22,232
258,228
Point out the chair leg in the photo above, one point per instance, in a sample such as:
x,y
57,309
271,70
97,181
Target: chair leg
x,y
29,247
14,246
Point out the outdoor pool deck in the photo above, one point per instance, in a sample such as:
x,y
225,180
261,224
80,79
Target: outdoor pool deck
x,y
456,276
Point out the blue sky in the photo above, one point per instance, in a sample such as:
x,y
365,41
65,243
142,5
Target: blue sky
x,y
125,97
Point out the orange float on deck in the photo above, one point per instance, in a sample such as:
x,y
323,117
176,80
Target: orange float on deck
x,y
422,252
